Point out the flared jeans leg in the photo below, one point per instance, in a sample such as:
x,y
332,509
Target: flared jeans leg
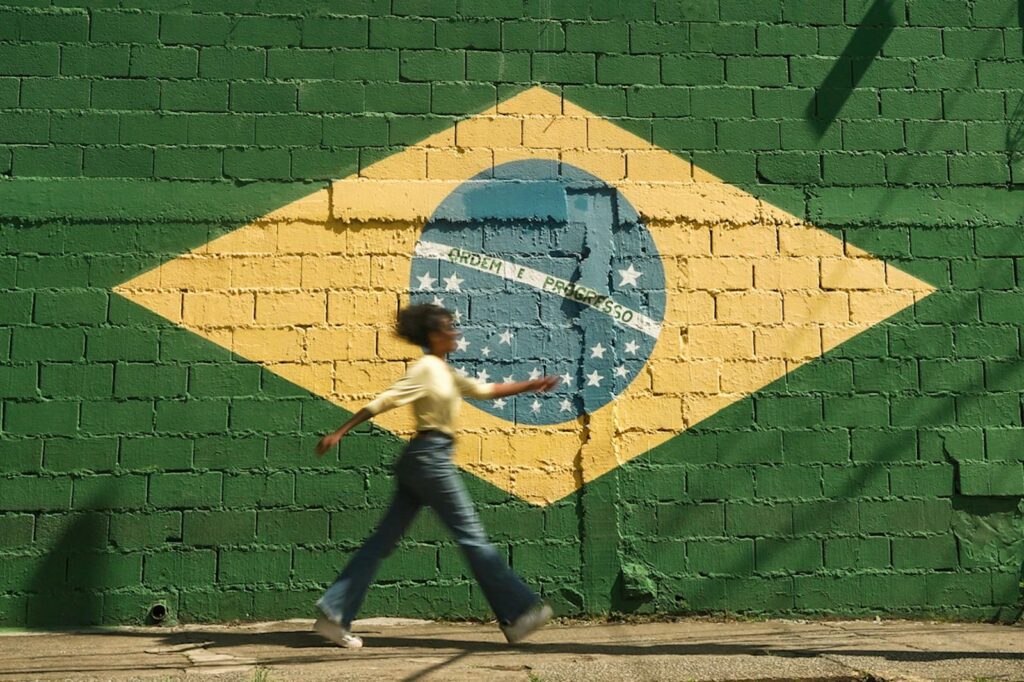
x,y
427,476
440,486
341,602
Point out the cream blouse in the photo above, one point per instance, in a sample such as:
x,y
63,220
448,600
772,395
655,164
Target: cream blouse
x,y
434,390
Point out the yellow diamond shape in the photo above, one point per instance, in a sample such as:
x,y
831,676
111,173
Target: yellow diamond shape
x,y
311,289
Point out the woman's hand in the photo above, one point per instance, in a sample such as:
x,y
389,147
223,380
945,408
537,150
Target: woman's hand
x,y
544,384
517,387
328,442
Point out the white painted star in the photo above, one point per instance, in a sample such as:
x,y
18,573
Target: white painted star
x,y
629,276
594,379
506,337
620,371
631,347
597,351
457,316
438,301
565,405
566,379
461,371
499,403
426,281
452,283
535,405
485,351
462,344
508,379
534,373
483,376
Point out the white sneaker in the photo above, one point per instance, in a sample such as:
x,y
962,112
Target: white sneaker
x,y
525,624
337,634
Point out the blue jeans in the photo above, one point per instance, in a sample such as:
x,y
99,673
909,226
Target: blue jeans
x,y
427,476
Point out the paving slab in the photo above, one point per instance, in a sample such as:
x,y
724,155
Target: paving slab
x,y
404,649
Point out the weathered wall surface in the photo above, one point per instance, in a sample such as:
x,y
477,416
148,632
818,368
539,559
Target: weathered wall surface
x,y
774,249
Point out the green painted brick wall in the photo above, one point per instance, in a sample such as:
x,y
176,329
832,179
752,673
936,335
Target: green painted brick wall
x,y
141,464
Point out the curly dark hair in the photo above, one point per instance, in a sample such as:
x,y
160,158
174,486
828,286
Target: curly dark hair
x,y
416,322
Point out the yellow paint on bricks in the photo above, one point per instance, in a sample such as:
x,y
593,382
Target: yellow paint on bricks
x,y
676,239
455,164
851,273
807,306
214,308
689,307
864,304
754,240
189,273
382,237
697,408
317,377
786,274
650,413
534,102
264,345
314,208
717,340
339,342
355,239
807,240
262,239
738,374
502,156
335,272
291,308
647,164
693,376
608,165
362,377
677,273
362,200
602,135
371,306
598,451
896,279
407,166
490,132
384,269
555,133
722,273
390,347
301,238
790,341
697,203
253,271
750,307
166,304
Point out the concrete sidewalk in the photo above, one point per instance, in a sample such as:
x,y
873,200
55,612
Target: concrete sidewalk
x,y
694,649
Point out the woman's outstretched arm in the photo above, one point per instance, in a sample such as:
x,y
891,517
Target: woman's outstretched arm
x,y
516,387
331,439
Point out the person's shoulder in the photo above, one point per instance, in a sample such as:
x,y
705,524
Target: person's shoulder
x,y
429,363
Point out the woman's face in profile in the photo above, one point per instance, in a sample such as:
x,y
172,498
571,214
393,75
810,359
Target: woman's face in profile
x,y
444,341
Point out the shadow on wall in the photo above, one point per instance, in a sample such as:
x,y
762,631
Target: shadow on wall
x,y
1015,131
63,590
988,530
864,47
82,579
1015,123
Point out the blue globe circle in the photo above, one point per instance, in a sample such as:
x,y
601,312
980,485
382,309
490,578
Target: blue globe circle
x,y
548,270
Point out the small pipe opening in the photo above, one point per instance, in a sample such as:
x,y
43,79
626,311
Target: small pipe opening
x,y
157,613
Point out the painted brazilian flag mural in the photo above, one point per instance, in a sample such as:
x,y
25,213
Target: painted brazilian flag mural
x,y
772,251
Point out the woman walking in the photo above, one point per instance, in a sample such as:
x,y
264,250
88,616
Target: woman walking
x,y
427,476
